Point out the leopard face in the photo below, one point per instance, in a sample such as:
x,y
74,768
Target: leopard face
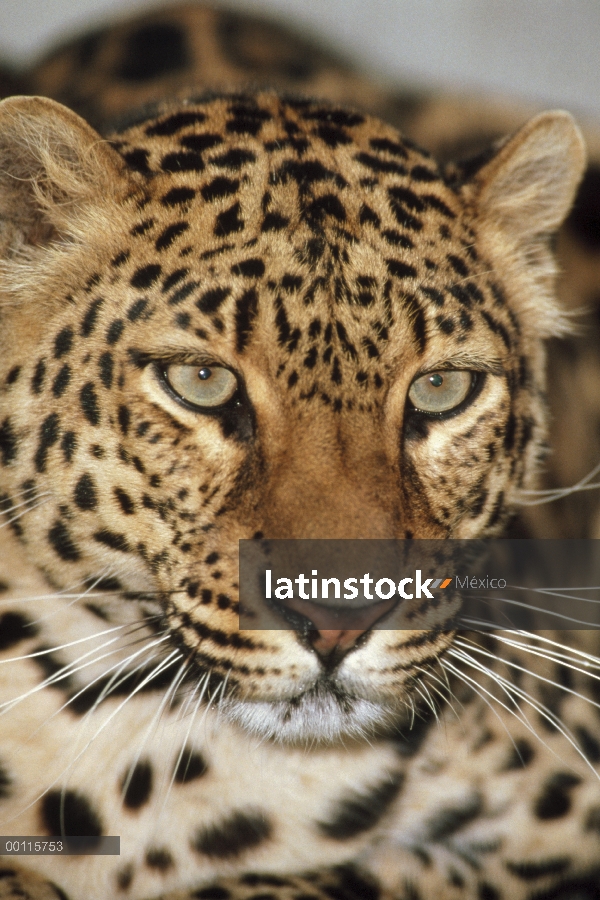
x,y
220,324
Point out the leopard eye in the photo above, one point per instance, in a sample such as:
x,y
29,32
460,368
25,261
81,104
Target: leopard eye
x,y
203,386
442,391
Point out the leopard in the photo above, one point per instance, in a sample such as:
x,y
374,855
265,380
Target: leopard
x,y
237,303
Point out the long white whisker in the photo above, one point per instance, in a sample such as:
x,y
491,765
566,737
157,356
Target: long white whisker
x,y
540,708
13,519
170,660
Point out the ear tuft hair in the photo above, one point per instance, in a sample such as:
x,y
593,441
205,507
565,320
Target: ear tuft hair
x,y
52,166
528,187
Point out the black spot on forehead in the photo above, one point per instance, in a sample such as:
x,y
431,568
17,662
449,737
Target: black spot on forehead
x,y
152,51
387,146
234,159
137,309
378,165
342,117
90,317
554,801
175,122
172,279
159,858
306,173
68,445
120,259
137,159
183,292
245,314
145,276
200,142
5,785
170,234
326,205
274,222
333,136
249,268
422,173
219,187
182,162
179,196
229,221
211,300
400,269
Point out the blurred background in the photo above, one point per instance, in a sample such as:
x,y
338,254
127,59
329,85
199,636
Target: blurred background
x,y
542,50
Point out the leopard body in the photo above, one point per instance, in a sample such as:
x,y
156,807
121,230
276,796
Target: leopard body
x,y
329,263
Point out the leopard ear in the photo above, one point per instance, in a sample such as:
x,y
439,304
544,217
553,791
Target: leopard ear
x,y
53,167
527,188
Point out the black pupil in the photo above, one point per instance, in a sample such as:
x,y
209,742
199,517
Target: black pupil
x,y
204,373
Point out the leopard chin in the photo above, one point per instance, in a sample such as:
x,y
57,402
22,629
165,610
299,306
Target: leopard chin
x,y
320,715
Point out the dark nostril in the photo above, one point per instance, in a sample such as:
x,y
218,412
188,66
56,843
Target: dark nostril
x,y
339,619
331,646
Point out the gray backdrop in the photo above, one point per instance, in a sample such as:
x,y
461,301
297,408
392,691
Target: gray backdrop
x,y
544,50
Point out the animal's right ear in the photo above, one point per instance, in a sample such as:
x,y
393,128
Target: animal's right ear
x,y
54,170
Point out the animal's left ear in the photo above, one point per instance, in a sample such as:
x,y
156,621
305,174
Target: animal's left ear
x,y
54,170
527,188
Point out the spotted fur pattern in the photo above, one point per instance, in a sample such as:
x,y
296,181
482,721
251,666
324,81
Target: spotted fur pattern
x,y
328,262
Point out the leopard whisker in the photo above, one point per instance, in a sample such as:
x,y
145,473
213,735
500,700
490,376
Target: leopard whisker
x,y
152,725
6,511
539,497
516,666
170,660
12,519
487,697
571,657
542,710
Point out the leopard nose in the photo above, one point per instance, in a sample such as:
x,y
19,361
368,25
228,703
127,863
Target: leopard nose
x,y
326,643
338,628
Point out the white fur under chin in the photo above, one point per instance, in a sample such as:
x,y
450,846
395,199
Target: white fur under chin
x,y
315,717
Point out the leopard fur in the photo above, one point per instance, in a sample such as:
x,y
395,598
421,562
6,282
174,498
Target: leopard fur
x,y
328,262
